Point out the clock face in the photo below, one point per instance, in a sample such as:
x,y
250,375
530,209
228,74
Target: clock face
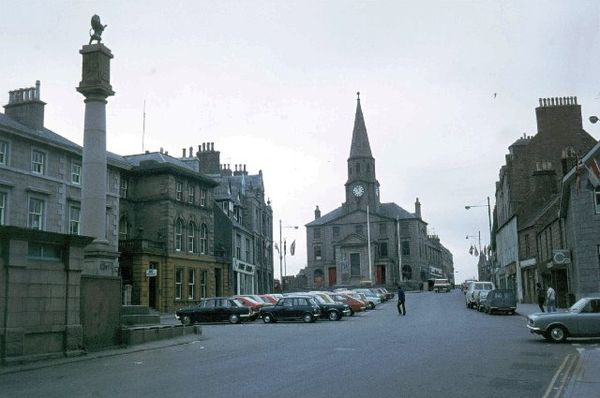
x,y
358,190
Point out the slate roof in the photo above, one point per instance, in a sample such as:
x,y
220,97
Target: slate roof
x,y
49,137
386,210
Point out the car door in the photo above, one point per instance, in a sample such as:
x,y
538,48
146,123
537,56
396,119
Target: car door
x,y
588,320
208,311
287,310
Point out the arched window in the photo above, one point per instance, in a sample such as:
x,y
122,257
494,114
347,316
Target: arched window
x,y
178,235
123,228
203,239
191,246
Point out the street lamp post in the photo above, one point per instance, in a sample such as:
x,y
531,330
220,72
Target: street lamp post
x,y
281,251
489,209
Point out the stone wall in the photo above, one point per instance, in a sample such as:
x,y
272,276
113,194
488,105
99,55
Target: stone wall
x,y
39,294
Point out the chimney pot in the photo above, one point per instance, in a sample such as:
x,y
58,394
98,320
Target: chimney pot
x,y
161,149
183,152
212,146
191,152
203,146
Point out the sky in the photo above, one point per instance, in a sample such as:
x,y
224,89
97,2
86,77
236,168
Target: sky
x,y
446,87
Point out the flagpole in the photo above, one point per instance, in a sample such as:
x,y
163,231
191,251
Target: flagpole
x,y
369,246
284,259
400,276
280,260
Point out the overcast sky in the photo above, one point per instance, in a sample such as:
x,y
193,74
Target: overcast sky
x,y
273,84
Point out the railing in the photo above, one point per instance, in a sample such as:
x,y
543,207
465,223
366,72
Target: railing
x,y
138,245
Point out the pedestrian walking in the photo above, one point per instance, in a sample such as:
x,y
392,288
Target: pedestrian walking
x,y
551,299
401,298
541,296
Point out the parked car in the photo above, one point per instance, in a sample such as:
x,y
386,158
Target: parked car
x,y
465,285
581,320
330,309
441,285
498,300
271,299
372,298
354,304
389,295
291,308
251,303
216,309
474,288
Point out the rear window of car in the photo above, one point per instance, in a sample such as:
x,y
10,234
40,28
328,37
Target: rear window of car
x,y
483,286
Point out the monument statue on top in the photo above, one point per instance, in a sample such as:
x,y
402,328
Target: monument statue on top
x,y
98,28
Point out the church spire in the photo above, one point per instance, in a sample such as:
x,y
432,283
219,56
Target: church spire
x,y
360,141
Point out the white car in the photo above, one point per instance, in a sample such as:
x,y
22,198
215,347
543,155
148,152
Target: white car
x,y
441,285
473,291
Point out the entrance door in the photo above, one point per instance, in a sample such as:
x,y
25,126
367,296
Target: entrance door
x,y
152,287
332,276
380,275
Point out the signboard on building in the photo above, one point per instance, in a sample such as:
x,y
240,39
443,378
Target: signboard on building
x,y
151,272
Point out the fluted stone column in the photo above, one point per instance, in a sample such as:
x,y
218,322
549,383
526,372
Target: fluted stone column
x,y
100,258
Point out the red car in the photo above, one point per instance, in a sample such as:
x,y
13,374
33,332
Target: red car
x,y
248,302
354,304
270,298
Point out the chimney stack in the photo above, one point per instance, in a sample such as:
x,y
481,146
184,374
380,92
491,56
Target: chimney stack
x,y
24,106
184,152
418,208
317,213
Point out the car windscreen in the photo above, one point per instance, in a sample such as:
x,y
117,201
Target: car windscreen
x,y
237,303
578,306
319,299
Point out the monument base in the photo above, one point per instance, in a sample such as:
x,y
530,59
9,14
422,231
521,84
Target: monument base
x,y
99,258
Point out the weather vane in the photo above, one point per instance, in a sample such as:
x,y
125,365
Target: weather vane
x,y
98,28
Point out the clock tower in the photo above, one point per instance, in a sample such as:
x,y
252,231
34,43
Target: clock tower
x,y
362,188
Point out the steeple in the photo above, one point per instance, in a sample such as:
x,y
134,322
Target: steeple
x,y
362,188
360,141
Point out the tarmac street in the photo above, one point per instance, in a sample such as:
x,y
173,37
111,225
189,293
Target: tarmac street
x,y
439,349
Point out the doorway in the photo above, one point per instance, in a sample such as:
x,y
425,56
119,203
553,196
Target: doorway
x,y
380,275
332,276
152,287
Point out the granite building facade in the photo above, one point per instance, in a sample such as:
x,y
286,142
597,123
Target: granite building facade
x,y
366,241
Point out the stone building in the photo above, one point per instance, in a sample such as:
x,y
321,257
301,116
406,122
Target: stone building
x,y
166,233
368,242
527,185
580,221
40,172
245,228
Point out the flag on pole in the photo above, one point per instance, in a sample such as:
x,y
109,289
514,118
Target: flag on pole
x,y
293,247
475,252
284,248
276,246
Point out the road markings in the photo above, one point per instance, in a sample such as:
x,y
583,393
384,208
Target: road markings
x,y
559,380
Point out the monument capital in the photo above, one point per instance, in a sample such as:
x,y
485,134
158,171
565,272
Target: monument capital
x,y
95,74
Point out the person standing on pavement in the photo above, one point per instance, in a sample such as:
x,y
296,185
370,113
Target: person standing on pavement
x,y
551,299
541,296
401,298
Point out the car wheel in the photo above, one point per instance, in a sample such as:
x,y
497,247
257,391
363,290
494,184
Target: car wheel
x,y
334,316
234,318
371,305
267,318
186,320
351,312
556,334
308,318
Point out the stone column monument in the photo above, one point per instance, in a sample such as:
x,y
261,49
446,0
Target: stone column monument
x,y
100,257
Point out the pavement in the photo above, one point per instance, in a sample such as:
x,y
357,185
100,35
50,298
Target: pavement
x,y
581,377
